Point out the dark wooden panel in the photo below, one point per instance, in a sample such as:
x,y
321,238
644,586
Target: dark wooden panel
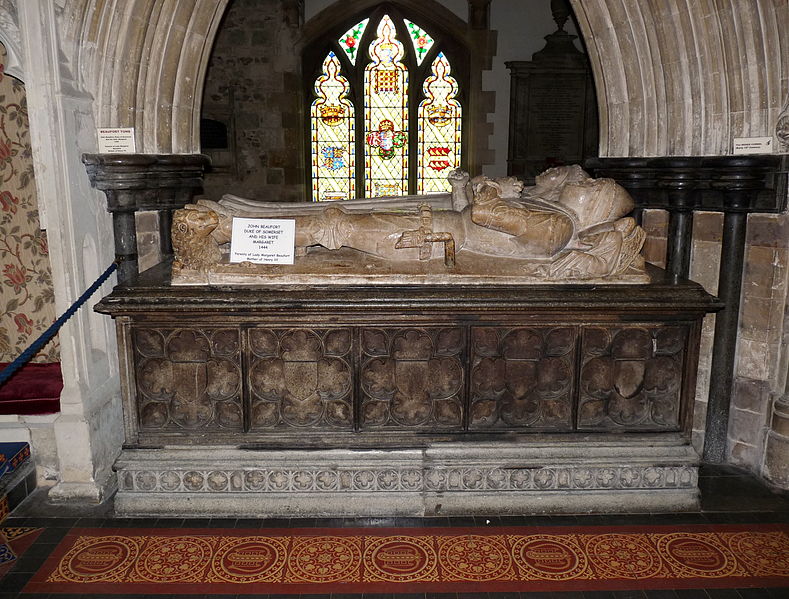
x,y
631,378
522,378
188,379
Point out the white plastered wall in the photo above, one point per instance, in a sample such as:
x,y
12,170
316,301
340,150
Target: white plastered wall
x,y
81,442
92,63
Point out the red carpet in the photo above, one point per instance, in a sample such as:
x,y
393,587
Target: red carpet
x,y
357,560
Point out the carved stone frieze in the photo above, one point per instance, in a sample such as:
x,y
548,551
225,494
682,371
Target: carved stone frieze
x,y
522,377
188,379
412,377
300,378
631,378
409,479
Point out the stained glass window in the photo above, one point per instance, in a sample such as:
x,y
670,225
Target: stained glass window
x,y
420,39
350,40
439,128
332,132
386,115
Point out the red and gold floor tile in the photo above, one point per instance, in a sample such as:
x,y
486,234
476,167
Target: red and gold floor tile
x,y
14,541
406,560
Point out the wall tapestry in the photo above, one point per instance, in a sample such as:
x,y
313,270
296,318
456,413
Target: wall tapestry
x,y
27,303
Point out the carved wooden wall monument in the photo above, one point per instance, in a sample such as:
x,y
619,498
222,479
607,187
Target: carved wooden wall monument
x,y
407,395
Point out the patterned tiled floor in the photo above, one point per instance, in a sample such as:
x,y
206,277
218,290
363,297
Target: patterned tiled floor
x,y
728,496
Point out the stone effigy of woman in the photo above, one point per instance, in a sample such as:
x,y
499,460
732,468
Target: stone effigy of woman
x,y
568,226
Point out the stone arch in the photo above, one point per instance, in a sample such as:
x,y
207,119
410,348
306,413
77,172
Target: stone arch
x,y
144,61
678,78
685,77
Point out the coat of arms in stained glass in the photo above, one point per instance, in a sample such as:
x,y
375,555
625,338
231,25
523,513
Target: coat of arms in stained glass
x,y
332,135
386,114
439,128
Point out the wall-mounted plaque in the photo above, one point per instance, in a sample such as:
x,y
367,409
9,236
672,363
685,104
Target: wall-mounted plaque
x,y
553,110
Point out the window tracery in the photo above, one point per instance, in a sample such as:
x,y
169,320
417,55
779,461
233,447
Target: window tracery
x,y
386,116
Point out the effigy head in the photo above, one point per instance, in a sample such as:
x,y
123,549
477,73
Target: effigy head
x,y
506,187
510,187
596,201
561,175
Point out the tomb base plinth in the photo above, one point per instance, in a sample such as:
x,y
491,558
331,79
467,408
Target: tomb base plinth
x,y
499,477
407,399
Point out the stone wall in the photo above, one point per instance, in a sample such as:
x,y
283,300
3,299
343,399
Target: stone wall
x,y
253,84
759,374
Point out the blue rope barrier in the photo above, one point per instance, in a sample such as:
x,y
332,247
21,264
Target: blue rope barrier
x,y
33,348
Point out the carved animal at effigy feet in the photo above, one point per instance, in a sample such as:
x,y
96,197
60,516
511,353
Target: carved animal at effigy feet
x,y
193,245
568,227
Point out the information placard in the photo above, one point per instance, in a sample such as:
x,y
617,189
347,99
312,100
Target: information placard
x,y
116,140
263,240
753,145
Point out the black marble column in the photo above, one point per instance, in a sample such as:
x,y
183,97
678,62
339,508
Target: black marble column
x,y
677,177
734,185
739,186
136,182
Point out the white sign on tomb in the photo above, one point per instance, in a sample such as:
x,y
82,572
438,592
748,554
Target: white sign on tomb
x,y
263,240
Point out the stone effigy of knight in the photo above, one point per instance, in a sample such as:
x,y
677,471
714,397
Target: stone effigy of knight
x,y
568,227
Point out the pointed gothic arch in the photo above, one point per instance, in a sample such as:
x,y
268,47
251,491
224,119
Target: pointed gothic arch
x,y
430,72
633,48
144,62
